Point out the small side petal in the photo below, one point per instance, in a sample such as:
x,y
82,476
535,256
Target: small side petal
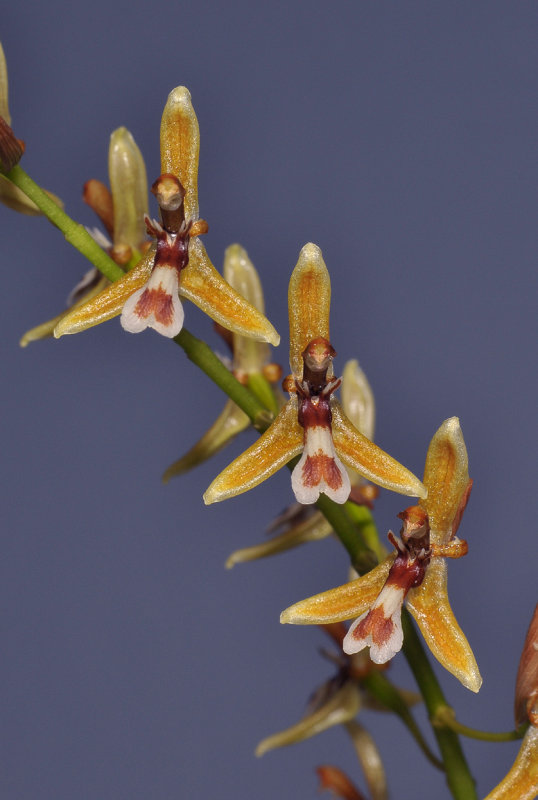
x,y
366,458
345,602
431,609
309,302
521,783
342,707
230,422
180,145
129,187
310,530
108,303
446,477
358,399
206,288
279,444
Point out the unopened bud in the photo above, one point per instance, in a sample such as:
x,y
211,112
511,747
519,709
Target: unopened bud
x,y
337,782
4,106
11,148
526,700
272,372
129,187
99,199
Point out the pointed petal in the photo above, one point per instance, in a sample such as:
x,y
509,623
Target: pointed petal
x,y
46,329
345,602
310,530
109,303
239,271
521,783
228,424
129,187
431,609
342,707
180,145
366,458
309,301
4,105
446,478
201,284
358,399
279,444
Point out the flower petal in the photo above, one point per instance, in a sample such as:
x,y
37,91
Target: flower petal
x,y
344,602
180,145
129,187
46,329
358,399
446,478
370,760
239,271
366,458
310,530
156,305
521,783
342,707
309,300
380,628
4,105
109,303
201,284
431,609
231,421
279,444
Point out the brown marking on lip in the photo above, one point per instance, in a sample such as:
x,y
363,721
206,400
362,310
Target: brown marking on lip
x,y
321,466
156,302
314,412
375,625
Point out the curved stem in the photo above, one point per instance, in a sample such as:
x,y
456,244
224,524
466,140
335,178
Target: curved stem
x,y
445,718
459,778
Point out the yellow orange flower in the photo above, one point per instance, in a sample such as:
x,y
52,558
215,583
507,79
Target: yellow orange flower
x,y
312,421
416,572
179,262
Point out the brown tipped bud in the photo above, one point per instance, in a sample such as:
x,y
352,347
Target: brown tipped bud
x,y
526,701
11,148
99,199
288,384
272,372
318,355
121,254
198,228
337,782
241,376
168,191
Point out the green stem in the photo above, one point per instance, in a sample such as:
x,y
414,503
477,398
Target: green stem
x,y
76,234
363,519
385,693
459,778
445,718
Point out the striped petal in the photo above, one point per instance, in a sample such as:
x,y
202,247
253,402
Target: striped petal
x,y
446,477
279,444
366,458
309,300
431,609
201,284
180,145
345,602
108,303
521,783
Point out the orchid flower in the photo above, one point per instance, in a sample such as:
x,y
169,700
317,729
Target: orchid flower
x,y
521,782
249,365
121,210
312,421
416,572
178,263
300,524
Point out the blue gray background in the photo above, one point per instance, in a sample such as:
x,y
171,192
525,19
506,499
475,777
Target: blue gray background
x,y
401,138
